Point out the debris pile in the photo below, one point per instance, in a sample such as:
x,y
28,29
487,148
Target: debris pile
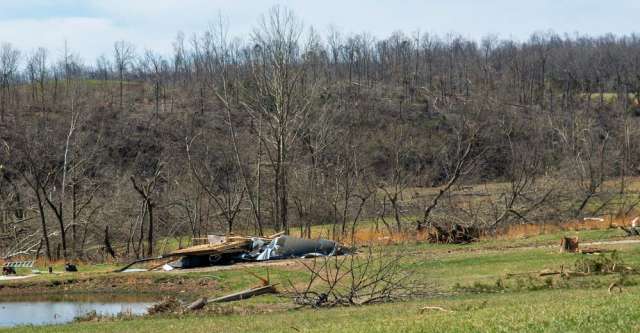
x,y
455,234
226,250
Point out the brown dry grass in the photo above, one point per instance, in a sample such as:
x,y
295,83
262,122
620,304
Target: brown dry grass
x,y
370,236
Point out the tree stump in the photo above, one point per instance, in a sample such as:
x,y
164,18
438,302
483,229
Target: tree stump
x,y
569,244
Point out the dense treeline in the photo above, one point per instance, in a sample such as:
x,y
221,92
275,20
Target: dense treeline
x,y
286,129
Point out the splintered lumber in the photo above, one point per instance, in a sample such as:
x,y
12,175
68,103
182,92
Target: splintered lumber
x,y
201,302
232,244
229,247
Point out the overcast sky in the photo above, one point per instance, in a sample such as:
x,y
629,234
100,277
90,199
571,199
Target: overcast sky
x,y
92,26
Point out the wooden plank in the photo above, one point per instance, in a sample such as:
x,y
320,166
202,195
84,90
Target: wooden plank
x,y
268,289
228,247
201,302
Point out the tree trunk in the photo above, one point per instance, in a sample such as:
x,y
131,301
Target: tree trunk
x,y
150,232
107,243
43,221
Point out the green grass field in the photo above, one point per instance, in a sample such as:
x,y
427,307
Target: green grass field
x,y
582,310
475,282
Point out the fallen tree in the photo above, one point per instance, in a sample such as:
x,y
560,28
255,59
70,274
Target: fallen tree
x,y
356,280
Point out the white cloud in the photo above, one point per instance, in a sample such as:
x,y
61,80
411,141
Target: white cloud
x,y
92,26
85,35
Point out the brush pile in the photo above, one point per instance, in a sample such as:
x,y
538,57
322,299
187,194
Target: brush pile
x,y
453,234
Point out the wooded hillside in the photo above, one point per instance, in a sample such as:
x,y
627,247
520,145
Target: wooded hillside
x,y
289,128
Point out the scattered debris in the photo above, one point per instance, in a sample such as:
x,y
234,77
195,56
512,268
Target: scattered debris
x,y
602,264
230,249
423,309
586,266
292,247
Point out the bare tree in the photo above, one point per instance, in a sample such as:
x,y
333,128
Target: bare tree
x,y
123,54
8,71
461,160
281,96
147,192
38,76
222,185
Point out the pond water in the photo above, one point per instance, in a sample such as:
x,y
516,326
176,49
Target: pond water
x,y
63,309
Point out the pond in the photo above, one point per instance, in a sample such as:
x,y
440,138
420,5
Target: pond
x,y
60,309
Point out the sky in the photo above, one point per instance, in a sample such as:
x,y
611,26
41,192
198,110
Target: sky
x,y
90,27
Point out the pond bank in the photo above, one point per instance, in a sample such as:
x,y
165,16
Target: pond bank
x,y
64,308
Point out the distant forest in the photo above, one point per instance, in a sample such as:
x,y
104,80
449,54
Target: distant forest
x,y
287,128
